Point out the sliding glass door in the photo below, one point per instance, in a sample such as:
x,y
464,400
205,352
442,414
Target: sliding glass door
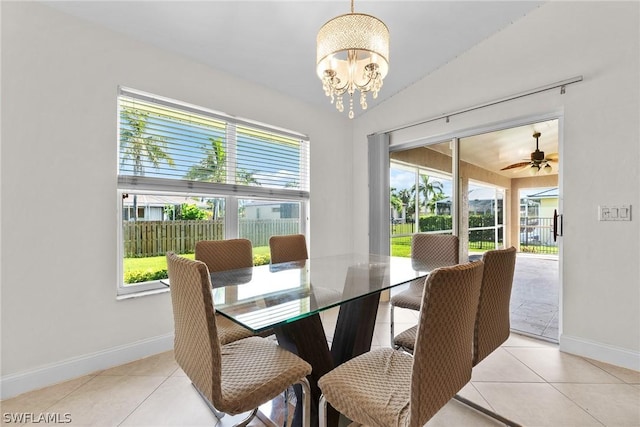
x,y
421,194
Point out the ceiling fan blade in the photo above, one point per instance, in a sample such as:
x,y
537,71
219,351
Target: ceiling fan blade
x,y
516,165
553,157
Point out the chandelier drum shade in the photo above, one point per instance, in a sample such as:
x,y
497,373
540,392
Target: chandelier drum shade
x,y
352,55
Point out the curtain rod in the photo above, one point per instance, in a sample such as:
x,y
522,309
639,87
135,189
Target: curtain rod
x,y
561,84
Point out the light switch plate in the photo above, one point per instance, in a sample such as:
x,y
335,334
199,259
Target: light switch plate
x,y
614,213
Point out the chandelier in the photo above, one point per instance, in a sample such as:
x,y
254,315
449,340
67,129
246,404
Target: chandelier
x,y
352,54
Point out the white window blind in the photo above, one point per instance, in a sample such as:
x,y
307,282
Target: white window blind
x,y
178,147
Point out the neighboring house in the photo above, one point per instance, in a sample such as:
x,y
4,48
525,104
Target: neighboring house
x,y
271,210
536,212
540,204
154,207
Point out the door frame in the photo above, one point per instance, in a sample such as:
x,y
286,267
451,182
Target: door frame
x,y
454,136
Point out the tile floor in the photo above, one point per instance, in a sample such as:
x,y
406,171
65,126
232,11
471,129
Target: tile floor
x,y
535,296
526,380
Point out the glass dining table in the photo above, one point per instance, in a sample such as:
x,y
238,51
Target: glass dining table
x,y
289,297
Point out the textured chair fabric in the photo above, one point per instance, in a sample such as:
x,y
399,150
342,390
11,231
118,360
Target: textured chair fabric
x,y
430,251
492,322
221,255
386,387
236,377
406,340
492,326
292,247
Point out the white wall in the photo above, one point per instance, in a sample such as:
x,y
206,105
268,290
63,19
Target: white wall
x,y
60,76
600,149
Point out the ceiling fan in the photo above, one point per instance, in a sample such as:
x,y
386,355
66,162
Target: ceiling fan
x,y
537,162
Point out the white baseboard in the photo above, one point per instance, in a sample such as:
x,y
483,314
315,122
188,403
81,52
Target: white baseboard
x,y
602,352
54,373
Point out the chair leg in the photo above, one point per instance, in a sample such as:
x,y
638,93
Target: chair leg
x,y
322,412
306,402
247,420
393,336
219,415
286,406
486,411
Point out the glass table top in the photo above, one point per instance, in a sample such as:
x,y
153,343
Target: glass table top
x,y
265,296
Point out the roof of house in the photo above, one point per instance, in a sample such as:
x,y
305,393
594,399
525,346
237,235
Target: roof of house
x,y
545,194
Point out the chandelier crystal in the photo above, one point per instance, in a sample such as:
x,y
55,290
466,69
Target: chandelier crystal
x,y
352,54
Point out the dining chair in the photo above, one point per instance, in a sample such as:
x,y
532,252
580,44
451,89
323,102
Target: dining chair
x,y
237,377
428,252
221,255
285,248
387,387
492,325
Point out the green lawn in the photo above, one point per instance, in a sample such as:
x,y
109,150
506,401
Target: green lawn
x,y
153,268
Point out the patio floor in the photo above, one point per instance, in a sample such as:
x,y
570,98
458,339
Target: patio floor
x,y
535,296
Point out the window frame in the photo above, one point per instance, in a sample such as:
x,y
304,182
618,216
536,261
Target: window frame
x,y
229,190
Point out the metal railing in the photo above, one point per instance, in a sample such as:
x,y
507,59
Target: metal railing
x,y
536,235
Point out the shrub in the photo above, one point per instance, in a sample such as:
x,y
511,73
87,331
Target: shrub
x,y
138,276
261,259
435,223
144,276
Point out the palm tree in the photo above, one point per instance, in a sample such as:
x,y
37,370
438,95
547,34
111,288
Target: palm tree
x,y
407,200
430,192
139,147
246,177
213,167
396,202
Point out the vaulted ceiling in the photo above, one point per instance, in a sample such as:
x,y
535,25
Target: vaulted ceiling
x,y
273,43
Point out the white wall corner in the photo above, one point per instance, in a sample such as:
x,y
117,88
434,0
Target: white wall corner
x,y
54,373
617,356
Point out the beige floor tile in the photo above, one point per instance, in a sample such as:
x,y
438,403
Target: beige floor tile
x,y
329,329
502,366
534,404
174,403
629,376
106,400
403,315
330,316
611,404
471,393
382,335
455,413
178,373
556,366
384,313
518,340
38,401
163,364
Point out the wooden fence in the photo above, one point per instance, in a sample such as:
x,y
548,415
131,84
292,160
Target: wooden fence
x,y
156,238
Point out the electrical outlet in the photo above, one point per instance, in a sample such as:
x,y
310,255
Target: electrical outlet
x,y
614,213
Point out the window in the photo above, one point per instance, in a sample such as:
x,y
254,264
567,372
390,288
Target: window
x,y
186,173
420,202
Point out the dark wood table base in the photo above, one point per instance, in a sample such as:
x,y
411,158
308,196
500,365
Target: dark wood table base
x,y
352,337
